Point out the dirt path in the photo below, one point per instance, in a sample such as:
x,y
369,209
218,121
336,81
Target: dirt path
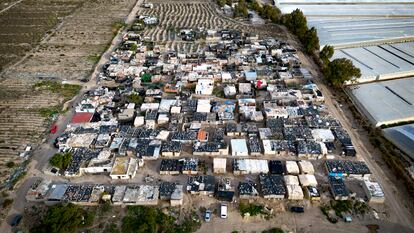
x,y
42,154
400,213
11,5
118,38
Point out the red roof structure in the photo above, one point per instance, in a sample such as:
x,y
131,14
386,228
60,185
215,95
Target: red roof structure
x,y
82,117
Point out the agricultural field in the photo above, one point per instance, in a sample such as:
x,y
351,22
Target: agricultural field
x,y
23,25
53,40
181,14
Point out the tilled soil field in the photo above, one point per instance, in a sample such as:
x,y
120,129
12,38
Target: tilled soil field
x,y
188,14
52,39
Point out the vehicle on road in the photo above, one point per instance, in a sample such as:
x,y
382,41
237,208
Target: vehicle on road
x,y
223,211
53,129
297,209
207,216
16,220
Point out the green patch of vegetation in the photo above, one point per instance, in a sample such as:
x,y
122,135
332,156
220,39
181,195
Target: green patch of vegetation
x,y
48,112
7,202
360,207
325,210
341,70
66,90
111,228
273,230
4,193
94,58
63,219
250,209
189,87
221,3
116,26
10,164
134,47
146,78
296,23
142,219
218,91
19,177
149,44
240,10
61,160
326,53
134,98
267,11
105,208
341,207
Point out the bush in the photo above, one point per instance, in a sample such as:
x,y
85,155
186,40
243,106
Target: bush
x,y
152,220
326,54
66,90
49,111
134,98
296,23
106,207
111,228
341,206
273,230
146,78
10,164
340,71
250,209
221,3
63,219
7,202
61,160
240,10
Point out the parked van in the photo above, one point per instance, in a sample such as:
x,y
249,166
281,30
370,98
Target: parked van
x,y
223,211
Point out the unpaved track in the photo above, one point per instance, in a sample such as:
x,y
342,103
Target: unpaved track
x,y
45,151
11,5
400,213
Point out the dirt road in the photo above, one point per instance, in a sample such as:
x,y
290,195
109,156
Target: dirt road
x,y
44,152
400,213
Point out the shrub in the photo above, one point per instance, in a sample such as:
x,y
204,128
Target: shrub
x,y
340,71
63,219
7,202
10,164
61,160
250,209
273,230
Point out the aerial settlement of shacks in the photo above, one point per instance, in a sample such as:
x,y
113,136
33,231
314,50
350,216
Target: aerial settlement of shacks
x,y
241,105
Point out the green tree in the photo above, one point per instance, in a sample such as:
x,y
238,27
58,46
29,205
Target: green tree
x,y
311,41
10,164
296,22
146,78
134,98
240,10
61,219
326,53
256,7
221,3
7,202
140,219
134,47
61,160
270,12
274,230
340,71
